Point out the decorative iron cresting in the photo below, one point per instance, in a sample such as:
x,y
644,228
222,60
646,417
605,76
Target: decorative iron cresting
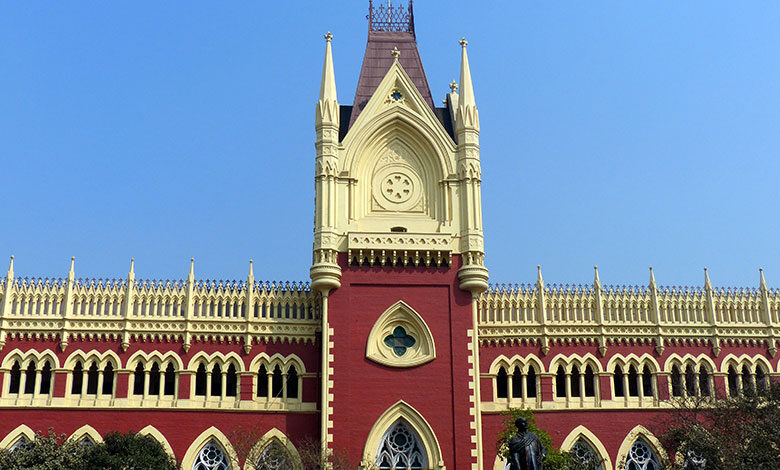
x,y
391,17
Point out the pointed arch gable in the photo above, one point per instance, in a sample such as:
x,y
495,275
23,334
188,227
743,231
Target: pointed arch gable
x,y
743,359
151,431
86,431
594,442
401,314
162,358
209,434
632,436
274,435
676,359
402,410
567,360
216,358
21,431
24,358
635,360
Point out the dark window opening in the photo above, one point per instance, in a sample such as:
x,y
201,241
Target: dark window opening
x,y
276,383
760,380
170,380
46,379
216,381
530,383
29,379
92,379
747,381
677,385
154,379
617,380
590,382
262,382
704,381
733,387
292,382
517,383
575,381
560,383
16,378
78,379
690,381
200,381
139,377
398,229
633,382
647,382
108,380
231,381
501,383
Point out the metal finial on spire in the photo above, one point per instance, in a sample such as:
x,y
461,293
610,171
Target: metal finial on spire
x,y
395,53
454,86
463,42
328,36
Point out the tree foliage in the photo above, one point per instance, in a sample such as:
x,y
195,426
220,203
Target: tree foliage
x,y
556,459
116,452
738,433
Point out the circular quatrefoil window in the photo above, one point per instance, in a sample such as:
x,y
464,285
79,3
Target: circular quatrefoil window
x,y
397,188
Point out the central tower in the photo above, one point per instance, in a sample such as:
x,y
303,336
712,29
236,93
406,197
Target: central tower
x,y
398,250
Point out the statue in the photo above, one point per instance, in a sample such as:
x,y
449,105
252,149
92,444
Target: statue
x,y
526,451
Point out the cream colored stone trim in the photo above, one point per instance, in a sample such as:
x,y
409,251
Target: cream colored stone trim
x,y
594,442
402,410
633,435
21,431
639,362
24,358
150,430
744,360
683,361
274,435
401,314
86,431
162,359
524,362
216,358
211,433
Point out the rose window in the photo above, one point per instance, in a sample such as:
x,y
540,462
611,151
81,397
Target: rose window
x,y
401,449
211,457
641,457
397,187
399,341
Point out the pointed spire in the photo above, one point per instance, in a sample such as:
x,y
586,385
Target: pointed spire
x,y
539,280
596,280
131,273
653,285
762,284
466,87
191,276
328,85
251,270
10,275
707,283
72,272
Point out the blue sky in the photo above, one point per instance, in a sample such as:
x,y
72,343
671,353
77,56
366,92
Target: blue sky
x,y
623,134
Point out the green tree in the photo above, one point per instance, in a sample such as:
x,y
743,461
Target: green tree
x,y
128,451
45,452
556,459
738,433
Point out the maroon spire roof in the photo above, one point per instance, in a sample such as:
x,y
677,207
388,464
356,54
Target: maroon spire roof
x,y
388,27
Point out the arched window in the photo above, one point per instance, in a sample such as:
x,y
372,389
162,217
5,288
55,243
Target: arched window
x,y
690,381
29,379
401,448
231,380
274,457
45,379
292,382
641,457
211,457
733,382
139,378
761,386
677,385
170,380
530,383
262,382
590,382
704,381
560,383
747,381
92,379
617,380
583,453
277,386
108,380
216,381
21,443
16,378
78,379
200,380
501,383
647,381
154,379
517,383
574,381
633,382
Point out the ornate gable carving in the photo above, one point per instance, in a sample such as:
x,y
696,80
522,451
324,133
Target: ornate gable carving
x,y
400,338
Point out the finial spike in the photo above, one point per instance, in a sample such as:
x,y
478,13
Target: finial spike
x,y
596,279
539,279
328,83
466,87
395,53
763,281
453,86
251,269
10,274
653,285
707,283
72,271
131,273
191,276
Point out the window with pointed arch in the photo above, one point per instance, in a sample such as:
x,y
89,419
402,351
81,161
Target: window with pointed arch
x,y
641,457
401,448
274,457
211,457
583,453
